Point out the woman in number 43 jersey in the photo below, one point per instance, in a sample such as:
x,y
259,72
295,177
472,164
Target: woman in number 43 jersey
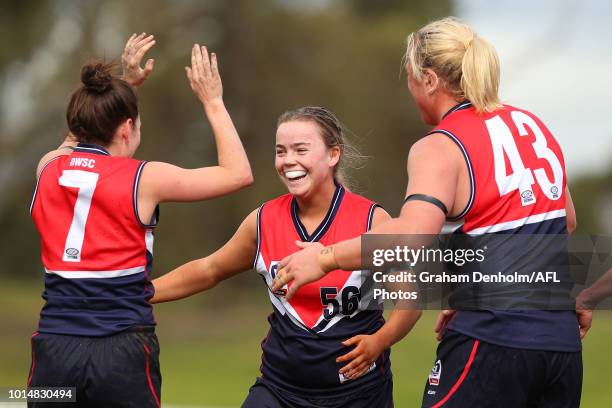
x,y
496,169
95,208
324,349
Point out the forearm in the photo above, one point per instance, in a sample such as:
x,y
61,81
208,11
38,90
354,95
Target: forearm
x,y
347,254
184,281
600,290
230,151
400,322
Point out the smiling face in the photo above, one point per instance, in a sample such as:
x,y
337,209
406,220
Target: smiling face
x,y
303,161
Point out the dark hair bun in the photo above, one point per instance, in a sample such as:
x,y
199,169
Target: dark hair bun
x,y
97,77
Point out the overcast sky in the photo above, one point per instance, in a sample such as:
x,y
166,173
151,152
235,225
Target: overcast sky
x,y
556,59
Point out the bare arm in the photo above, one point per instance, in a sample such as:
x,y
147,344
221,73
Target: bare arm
x,y
196,276
369,347
433,169
166,182
63,149
570,212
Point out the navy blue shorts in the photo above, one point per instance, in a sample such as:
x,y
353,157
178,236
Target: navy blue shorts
x,y
263,395
472,373
114,371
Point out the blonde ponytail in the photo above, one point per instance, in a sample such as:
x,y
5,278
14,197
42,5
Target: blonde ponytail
x,y
467,64
480,75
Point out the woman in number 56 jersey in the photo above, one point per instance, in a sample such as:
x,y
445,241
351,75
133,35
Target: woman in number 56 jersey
x,y
95,208
325,348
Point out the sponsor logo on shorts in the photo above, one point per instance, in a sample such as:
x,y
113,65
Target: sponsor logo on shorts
x,y
436,371
343,379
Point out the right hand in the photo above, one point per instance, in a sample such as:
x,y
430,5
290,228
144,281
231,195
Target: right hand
x,y
442,321
203,75
135,49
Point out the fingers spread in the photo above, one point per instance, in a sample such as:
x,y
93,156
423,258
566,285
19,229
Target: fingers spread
x,y
352,365
292,289
144,41
149,66
130,40
205,61
352,340
284,262
348,356
189,75
195,61
146,47
213,64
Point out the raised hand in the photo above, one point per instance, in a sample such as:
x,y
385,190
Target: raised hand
x,y
203,75
135,49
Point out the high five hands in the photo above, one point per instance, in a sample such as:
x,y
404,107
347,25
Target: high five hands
x,y
203,75
135,49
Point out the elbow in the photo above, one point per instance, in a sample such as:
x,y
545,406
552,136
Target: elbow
x,y
248,179
245,179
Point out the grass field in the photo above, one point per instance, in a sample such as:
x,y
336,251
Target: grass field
x,y
211,347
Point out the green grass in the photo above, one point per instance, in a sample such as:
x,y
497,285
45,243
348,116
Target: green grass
x,y
211,347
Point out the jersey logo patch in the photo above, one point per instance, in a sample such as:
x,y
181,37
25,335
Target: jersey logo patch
x,y
436,371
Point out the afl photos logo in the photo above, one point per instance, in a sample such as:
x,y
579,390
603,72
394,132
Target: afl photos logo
x,y
436,371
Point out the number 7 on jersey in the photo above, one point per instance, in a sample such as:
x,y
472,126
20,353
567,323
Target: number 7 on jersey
x,y
86,182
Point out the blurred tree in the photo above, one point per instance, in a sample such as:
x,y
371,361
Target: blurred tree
x,y
592,197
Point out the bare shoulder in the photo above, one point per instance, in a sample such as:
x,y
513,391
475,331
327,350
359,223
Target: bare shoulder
x,y
50,156
380,216
435,146
250,222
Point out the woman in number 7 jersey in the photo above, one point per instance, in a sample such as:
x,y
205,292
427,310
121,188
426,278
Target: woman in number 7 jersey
x,y
95,208
494,169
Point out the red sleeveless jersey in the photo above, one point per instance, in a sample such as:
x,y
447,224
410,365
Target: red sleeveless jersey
x,y
348,217
516,167
93,243
517,185
306,333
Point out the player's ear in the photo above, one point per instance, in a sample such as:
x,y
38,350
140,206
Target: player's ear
x,y
334,155
126,131
431,81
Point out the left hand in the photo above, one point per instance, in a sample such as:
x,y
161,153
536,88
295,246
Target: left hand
x,y
584,314
135,49
442,321
299,268
585,319
368,349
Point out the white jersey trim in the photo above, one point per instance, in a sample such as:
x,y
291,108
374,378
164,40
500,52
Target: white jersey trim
x,y
504,226
97,274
